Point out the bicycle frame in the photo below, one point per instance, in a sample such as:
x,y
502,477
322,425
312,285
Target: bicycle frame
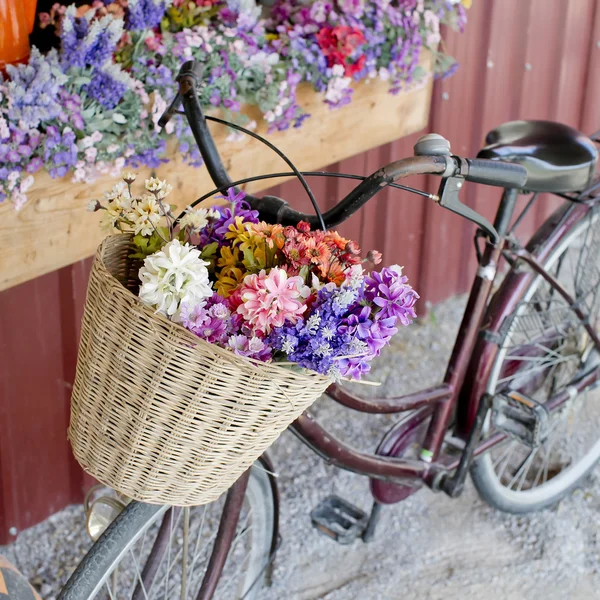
x,y
469,366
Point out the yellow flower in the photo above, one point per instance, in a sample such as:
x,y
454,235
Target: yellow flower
x,y
229,259
237,230
228,283
467,3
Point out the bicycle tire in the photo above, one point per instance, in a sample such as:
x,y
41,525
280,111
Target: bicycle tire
x,y
483,472
120,537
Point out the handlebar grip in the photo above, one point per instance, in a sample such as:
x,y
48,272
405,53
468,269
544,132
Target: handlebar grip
x,y
493,172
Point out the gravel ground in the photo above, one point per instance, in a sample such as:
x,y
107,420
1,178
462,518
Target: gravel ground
x,y
427,547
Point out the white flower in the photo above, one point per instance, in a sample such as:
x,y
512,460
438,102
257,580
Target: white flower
x,y
4,131
145,215
384,74
354,276
128,177
154,184
161,189
93,205
116,192
195,219
173,276
26,184
337,70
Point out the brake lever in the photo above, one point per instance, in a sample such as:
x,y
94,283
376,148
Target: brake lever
x,y
448,198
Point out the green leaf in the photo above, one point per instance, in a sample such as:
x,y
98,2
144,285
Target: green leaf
x,y
209,250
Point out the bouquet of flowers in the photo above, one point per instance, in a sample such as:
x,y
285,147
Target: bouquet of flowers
x,y
264,291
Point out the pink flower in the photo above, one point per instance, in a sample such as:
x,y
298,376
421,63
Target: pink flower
x,y
269,300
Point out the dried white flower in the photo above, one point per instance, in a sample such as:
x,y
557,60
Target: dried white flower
x,y
196,219
154,184
173,276
116,192
145,215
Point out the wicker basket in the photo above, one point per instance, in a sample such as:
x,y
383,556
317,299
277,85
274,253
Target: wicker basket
x,y
159,414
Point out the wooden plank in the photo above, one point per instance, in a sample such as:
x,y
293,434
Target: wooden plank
x,y
54,229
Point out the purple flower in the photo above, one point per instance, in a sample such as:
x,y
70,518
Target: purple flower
x,y
33,89
150,155
105,88
216,230
144,14
34,165
211,323
357,323
59,151
389,291
252,347
85,43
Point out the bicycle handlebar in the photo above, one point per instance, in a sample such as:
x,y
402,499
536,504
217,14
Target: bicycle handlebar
x,y
434,158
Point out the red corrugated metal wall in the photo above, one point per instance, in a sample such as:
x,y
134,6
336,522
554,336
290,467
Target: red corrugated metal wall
x,y
536,59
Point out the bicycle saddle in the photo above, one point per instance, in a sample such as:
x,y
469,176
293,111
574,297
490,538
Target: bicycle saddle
x,y
557,157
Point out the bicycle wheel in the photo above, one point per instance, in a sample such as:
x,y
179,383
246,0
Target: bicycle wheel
x,y
152,552
546,347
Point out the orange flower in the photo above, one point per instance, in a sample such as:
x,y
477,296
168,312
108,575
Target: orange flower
x,y
273,234
318,252
295,253
336,240
336,273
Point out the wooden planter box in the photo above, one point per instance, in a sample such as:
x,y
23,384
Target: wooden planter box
x,y
54,229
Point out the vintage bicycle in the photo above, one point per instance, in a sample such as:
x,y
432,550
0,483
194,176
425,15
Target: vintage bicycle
x,y
513,407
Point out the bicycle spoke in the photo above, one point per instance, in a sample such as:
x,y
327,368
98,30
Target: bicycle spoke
x,y
166,580
184,564
232,578
110,592
243,532
137,571
508,449
506,462
198,538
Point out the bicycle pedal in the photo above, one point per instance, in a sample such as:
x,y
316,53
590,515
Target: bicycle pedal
x,y
339,520
521,417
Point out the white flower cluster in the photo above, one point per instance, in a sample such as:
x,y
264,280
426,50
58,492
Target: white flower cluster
x,y
140,214
197,219
174,276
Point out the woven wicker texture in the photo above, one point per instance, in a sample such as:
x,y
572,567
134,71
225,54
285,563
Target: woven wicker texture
x,y
159,414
